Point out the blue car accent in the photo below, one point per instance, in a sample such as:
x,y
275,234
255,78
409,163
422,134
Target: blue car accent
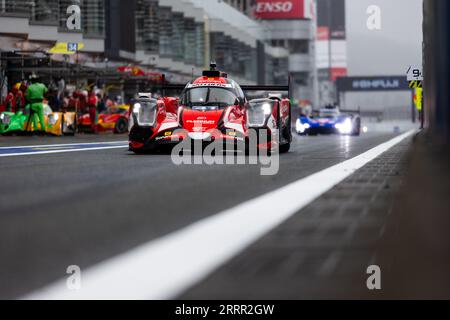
x,y
329,121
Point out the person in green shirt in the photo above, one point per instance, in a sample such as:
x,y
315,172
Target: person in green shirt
x,y
35,96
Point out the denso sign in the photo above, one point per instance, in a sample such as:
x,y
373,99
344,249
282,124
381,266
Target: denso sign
x,y
279,9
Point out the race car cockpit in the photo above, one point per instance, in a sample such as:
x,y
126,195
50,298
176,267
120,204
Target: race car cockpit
x,y
329,113
209,98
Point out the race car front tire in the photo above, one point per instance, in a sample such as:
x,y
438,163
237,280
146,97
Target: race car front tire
x,y
121,126
284,148
357,130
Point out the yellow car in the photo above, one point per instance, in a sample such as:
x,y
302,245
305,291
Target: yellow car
x,y
57,123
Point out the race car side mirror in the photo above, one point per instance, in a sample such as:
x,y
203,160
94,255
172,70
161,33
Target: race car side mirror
x,y
239,102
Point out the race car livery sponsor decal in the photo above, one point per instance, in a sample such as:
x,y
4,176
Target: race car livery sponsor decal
x,y
209,84
162,138
210,80
201,121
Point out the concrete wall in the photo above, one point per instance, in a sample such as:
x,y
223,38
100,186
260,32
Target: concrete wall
x,y
436,67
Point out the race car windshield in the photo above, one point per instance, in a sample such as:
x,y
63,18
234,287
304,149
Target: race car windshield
x,y
328,114
209,97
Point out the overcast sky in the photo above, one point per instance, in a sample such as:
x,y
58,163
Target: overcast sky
x,y
391,50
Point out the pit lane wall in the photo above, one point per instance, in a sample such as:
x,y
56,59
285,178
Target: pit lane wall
x,y
436,28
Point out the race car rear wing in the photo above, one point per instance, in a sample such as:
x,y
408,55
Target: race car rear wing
x,y
273,88
268,88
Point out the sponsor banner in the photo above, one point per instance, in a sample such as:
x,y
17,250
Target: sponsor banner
x,y
155,76
66,48
218,80
338,27
323,34
331,14
134,71
209,84
284,9
338,55
139,72
337,73
388,83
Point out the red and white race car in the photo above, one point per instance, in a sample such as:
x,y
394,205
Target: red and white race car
x,y
211,107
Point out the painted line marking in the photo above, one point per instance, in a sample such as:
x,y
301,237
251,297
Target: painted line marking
x,y
64,145
167,267
51,148
59,151
54,149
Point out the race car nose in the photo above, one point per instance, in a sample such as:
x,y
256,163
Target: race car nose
x,y
200,135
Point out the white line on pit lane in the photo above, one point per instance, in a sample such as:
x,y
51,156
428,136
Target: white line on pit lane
x,y
64,145
167,267
36,153
113,145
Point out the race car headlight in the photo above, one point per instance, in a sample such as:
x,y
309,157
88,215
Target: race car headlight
x,y
5,119
258,112
345,127
302,127
136,108
145,111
